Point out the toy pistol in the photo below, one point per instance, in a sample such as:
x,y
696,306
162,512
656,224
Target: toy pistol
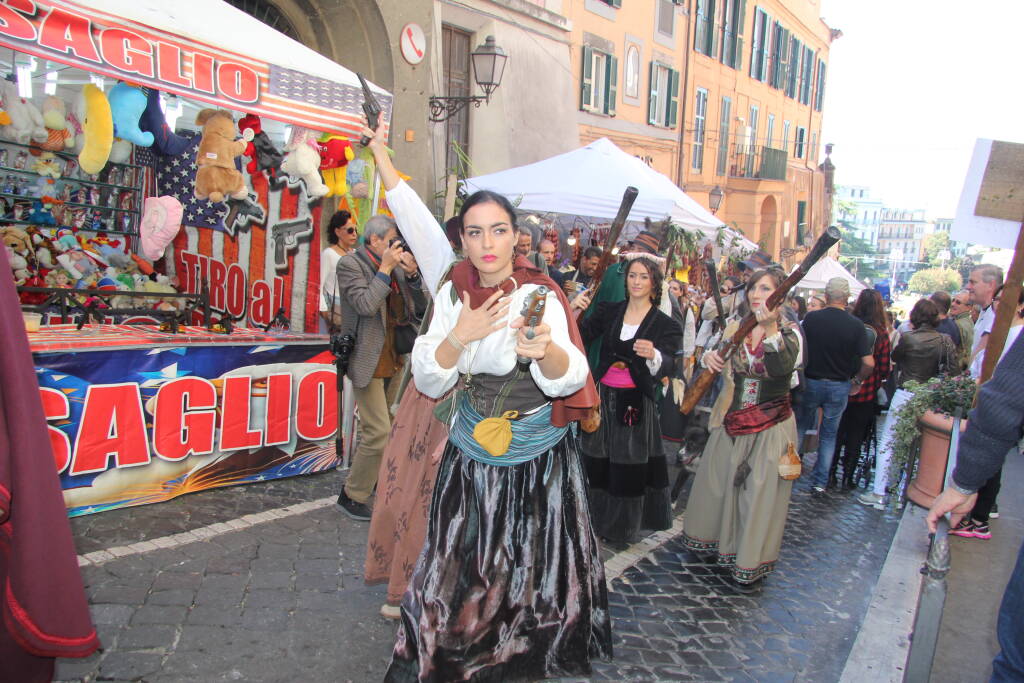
x,y
371,107
533,314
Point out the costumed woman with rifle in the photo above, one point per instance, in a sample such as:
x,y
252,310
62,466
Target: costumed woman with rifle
x,y
510,583
625,459
739,502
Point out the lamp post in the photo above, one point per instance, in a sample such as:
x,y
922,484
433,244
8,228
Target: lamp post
x,y
943,257
715,199
897,256
488,67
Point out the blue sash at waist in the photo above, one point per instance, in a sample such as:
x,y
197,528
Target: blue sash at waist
x,y
532,436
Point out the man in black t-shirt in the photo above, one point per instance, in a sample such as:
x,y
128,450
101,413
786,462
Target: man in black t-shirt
x,y
838,350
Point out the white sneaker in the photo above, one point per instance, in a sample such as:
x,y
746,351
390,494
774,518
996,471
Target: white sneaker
x,y
391,611
871,499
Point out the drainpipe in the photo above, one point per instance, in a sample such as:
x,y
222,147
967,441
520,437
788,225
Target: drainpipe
x,y
813,166
680,165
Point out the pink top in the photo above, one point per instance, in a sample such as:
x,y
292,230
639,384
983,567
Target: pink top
x,y
618,378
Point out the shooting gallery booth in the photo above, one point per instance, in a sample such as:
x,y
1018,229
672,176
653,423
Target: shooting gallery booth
x,y
168,256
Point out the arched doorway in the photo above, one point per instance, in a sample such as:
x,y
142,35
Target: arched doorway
x,y
767,227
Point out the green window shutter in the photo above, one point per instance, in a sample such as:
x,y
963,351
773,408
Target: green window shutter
x,y
672,109
764,74
611,92
715,27
741,23
587,80
616,4
652,95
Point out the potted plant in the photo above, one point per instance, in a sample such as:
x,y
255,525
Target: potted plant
x,y
923,428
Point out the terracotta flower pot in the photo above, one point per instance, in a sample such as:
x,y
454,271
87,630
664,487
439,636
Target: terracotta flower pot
x,y
936,430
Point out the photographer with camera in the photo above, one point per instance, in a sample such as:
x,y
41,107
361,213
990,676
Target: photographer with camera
x,y
381,296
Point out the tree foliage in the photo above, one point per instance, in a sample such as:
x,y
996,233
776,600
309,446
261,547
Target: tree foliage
x,y
857,255
933,244
934,279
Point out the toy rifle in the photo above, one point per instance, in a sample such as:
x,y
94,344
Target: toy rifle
x,y
709,265
703,382
371,107
533,313
628,197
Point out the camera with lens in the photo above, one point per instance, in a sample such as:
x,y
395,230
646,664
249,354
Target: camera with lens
x,y
342,346
400,242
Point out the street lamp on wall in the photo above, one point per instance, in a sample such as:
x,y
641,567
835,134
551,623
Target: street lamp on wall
x,y
715,199
488,67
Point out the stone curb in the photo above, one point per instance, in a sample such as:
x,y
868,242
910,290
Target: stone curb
x,y
883,641
201,534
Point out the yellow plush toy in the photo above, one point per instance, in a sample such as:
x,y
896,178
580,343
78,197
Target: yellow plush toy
x,y
97,129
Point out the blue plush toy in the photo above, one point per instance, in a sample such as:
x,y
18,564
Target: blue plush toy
x,y
41,215
127,103
154,121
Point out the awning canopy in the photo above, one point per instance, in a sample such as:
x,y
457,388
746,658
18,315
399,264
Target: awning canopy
x,y
589,181
826,269
205,50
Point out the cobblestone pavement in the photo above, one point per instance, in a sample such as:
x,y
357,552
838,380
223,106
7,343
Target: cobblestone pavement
x,y
284,600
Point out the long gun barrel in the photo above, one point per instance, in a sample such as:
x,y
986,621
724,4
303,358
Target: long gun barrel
x,y
625,206
709,266
700,386
371,107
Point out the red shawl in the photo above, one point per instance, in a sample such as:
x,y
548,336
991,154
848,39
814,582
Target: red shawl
x,y
466,278
42,602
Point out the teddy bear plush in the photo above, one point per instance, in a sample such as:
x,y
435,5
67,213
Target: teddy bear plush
x,y
127,103
303,162
59,135
19,250
217,177
263,156
26,119
97,130
335,153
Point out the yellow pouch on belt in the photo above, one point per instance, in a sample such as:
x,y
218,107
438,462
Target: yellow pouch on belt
x,y
789,464
494,434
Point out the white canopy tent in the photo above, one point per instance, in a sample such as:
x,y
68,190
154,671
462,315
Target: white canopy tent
x,y
826,269
590,181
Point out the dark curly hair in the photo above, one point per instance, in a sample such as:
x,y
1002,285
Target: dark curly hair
x,y
654,271
338,220
924,312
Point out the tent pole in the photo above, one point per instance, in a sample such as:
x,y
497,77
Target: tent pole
x,y
1006,310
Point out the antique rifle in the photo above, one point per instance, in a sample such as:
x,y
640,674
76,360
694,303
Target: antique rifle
x,y
709,266
371,107
628,197
703,382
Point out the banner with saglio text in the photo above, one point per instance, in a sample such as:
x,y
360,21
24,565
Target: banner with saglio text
x,y
131,426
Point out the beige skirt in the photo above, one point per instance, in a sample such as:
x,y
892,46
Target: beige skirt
x,y
744,525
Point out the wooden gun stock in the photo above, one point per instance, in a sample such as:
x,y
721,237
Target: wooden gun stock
x,y
703,382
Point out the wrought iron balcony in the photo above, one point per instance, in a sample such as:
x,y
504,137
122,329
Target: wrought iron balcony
x,y
758,162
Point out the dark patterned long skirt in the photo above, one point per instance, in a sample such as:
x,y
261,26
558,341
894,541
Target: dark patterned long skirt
x,y
628,475
510,584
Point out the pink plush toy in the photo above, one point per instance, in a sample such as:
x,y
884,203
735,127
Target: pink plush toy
x,y
161,221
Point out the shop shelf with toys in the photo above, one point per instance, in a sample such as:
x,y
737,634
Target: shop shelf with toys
x,y
179,200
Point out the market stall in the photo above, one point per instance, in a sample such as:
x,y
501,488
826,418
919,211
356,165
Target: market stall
x,y
826,269
153,151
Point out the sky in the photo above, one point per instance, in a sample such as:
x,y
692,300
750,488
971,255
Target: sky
x,y
912,84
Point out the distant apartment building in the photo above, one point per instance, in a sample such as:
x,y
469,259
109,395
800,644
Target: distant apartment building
x,y
956,247
900,240
856,207
725,97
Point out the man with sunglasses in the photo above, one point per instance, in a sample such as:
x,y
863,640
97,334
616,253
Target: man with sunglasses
x,y
960,313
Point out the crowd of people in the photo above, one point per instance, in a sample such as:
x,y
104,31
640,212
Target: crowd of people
x,y
519,444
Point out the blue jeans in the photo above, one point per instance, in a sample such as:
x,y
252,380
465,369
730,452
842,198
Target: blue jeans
x,y
831,397
1009,663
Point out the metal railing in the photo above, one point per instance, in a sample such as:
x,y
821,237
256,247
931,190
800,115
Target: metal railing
x,y
73,305
928,619
758,162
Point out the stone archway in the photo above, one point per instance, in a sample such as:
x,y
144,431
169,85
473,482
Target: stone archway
x,y
766,230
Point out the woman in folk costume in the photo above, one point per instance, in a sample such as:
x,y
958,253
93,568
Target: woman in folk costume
x,y
510,583
625,460
739,502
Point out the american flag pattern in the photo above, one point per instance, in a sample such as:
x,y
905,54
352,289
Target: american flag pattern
x,y
176,175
